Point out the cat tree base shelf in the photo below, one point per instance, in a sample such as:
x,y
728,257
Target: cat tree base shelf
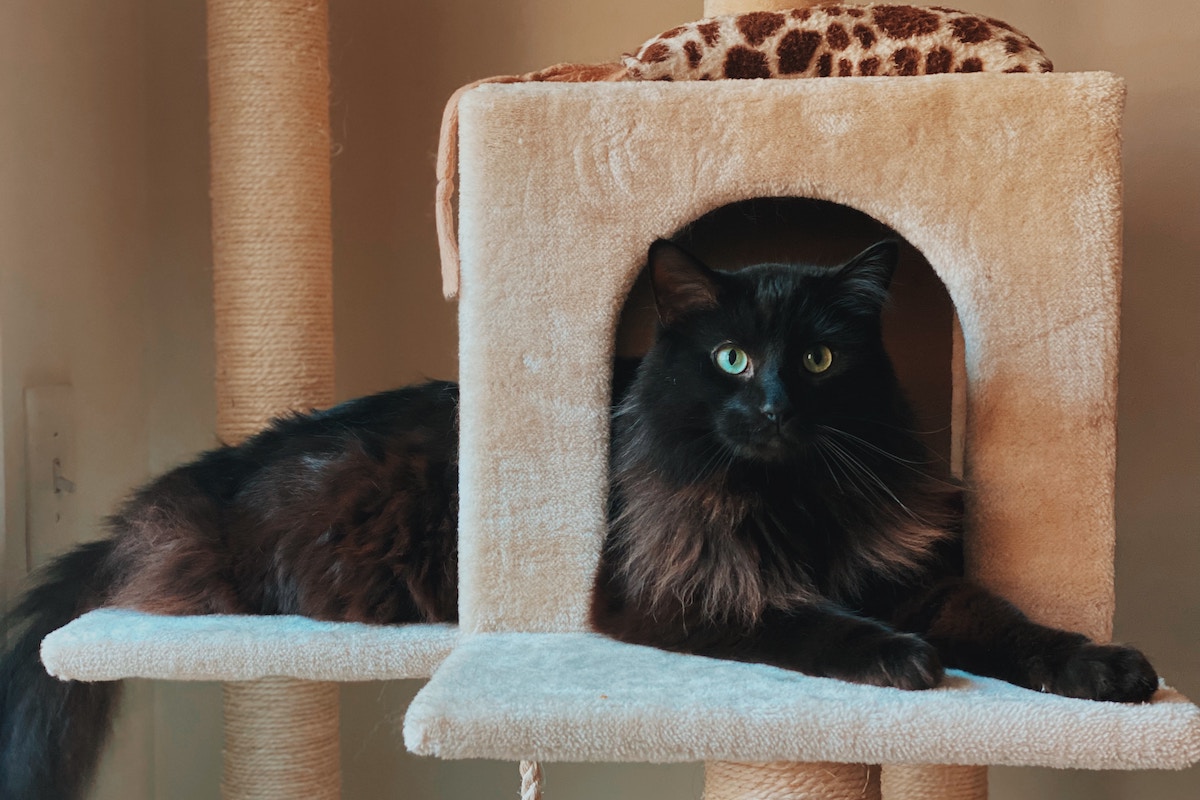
x,y
111,644
583,697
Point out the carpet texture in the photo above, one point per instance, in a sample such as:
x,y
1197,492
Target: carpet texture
x,y
582,697
110,644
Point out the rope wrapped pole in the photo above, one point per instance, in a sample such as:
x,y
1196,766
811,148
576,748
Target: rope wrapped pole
x,y
786,780
281,740
936,781
268,76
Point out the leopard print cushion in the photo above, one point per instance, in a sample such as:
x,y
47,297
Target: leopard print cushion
x,y
837,40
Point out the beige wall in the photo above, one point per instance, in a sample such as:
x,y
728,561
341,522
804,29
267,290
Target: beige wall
x,y
74,248
104,285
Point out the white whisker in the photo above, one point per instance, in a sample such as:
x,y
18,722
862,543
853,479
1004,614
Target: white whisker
x,y
906,463
867,473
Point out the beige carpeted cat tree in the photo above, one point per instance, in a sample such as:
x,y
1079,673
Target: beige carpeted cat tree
x,y
1009,185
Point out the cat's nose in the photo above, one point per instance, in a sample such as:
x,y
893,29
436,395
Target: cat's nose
x,y
775,412
775,405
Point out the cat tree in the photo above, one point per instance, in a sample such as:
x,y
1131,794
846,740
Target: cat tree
x,y
1008,185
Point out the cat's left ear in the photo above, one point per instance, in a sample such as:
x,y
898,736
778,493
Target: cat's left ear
x,y
682,284
864,280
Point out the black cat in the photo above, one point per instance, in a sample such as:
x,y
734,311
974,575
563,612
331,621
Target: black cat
x,y
768,503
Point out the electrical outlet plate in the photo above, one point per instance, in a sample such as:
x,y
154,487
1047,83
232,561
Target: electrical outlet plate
x,y
51,499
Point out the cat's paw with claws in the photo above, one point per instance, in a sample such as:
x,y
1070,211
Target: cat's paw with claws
x,y
899,660
1111,672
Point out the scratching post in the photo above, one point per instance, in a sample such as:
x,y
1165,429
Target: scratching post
x,y
281,740
272,241
944,782
788,780
272,279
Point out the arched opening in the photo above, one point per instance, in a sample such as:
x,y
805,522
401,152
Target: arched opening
x,y
918,322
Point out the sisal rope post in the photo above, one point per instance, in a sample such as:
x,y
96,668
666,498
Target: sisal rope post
x,y
272,290
786,780
281,740
936,781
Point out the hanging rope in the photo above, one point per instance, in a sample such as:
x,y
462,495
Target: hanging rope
x,y
531,780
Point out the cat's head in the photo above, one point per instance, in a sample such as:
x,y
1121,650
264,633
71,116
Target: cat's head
x,y
753,363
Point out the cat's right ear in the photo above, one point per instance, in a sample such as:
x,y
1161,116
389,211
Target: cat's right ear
x,y
682,284
864,280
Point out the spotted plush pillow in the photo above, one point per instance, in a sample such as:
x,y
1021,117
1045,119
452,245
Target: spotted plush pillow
x,y
836,40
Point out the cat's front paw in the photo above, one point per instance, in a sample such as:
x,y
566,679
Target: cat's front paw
x,y
1110,672
900,660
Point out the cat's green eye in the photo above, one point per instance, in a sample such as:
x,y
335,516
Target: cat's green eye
x,y
731,359
818,359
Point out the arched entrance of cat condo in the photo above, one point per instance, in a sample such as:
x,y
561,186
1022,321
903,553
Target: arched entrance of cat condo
x,y
919,320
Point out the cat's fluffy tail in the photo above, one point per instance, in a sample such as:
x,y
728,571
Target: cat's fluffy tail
x,y
51,731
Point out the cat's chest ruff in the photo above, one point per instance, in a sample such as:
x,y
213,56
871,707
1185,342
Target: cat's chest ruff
x,y
705,555
790,536
763,519
765,525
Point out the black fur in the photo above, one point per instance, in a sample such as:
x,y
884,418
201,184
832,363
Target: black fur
x,y
50,729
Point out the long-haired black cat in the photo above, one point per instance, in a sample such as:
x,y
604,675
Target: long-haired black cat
x,y
768,503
